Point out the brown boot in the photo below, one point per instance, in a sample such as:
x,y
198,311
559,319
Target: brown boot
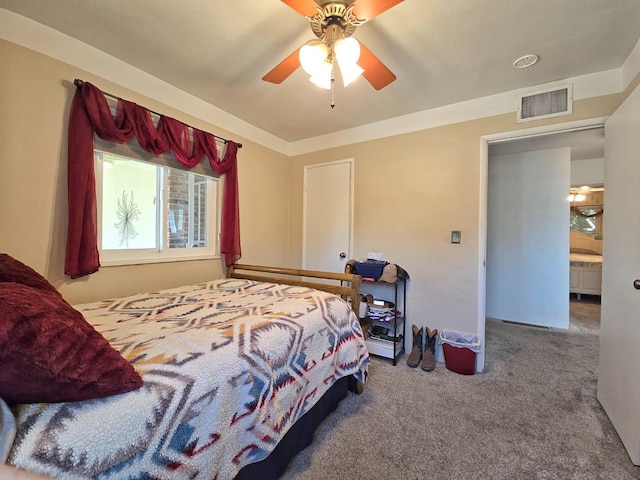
x,y
429,359
413,360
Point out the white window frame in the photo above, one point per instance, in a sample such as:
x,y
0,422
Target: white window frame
x,y
162,253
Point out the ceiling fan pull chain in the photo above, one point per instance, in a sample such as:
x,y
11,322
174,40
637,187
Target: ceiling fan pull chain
x,y
333,80
333,65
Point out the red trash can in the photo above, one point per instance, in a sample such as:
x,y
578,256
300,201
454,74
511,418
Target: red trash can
x,y
460,350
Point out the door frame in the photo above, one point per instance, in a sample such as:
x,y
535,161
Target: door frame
x,y
351,163
485,140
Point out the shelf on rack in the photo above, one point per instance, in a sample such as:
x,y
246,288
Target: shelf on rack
x,y
388,322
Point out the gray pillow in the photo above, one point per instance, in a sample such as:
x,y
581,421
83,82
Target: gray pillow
x,y
7,430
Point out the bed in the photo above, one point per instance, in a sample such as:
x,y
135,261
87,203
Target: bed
x,y
236,374
585,264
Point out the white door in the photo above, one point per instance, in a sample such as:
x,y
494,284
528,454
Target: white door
x,y
527,276
619,368
327,222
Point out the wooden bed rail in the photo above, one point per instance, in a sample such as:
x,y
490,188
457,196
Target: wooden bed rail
x,y
348,287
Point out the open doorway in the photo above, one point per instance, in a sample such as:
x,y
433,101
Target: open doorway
x,y
532,134
531,269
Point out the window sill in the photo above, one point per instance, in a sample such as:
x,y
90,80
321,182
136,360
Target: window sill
x,y
131,262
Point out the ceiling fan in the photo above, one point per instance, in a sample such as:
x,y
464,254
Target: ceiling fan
x,y
334,23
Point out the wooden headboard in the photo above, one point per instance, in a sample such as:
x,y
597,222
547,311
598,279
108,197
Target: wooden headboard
x,y
346,285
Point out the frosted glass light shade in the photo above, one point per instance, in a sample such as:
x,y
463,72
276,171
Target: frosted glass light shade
x,y
322,76
316,60
349,72
312,57
347,52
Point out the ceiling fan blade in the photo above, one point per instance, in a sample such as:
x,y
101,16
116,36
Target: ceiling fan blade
x,y
368,9
376,72
303,7
285,68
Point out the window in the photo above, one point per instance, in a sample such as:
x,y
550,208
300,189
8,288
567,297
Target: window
x,y
586,210
153,213
590,224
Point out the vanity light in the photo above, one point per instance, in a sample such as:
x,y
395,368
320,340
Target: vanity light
x,y
578,197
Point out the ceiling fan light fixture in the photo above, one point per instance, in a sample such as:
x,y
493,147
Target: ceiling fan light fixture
x,y
322,76
313,56
350,72
347,52
320,81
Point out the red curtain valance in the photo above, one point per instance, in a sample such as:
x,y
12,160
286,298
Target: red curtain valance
x,y
90,113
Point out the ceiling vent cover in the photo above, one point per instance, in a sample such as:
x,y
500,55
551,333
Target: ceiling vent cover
x,y
552,102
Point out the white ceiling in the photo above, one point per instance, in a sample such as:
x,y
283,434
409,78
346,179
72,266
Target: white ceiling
x,y
442,51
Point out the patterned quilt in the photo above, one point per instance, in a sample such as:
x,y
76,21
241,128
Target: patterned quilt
x,y
228,366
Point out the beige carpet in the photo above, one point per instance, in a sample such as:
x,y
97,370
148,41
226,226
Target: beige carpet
x,y
533,414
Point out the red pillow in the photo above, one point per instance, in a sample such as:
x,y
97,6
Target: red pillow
x,y
12,270
50,353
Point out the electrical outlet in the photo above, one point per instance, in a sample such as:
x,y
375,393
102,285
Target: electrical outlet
x,y
374,256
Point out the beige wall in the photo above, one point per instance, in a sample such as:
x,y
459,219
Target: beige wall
x,y
35,96
410,191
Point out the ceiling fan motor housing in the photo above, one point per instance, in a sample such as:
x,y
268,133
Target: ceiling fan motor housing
x,y
334,13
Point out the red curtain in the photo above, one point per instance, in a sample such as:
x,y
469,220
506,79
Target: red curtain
x,y
90,113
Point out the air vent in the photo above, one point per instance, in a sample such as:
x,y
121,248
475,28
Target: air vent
x,y
552,102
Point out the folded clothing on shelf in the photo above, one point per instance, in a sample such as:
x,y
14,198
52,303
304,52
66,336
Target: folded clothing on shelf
x,y
381,310
382,316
